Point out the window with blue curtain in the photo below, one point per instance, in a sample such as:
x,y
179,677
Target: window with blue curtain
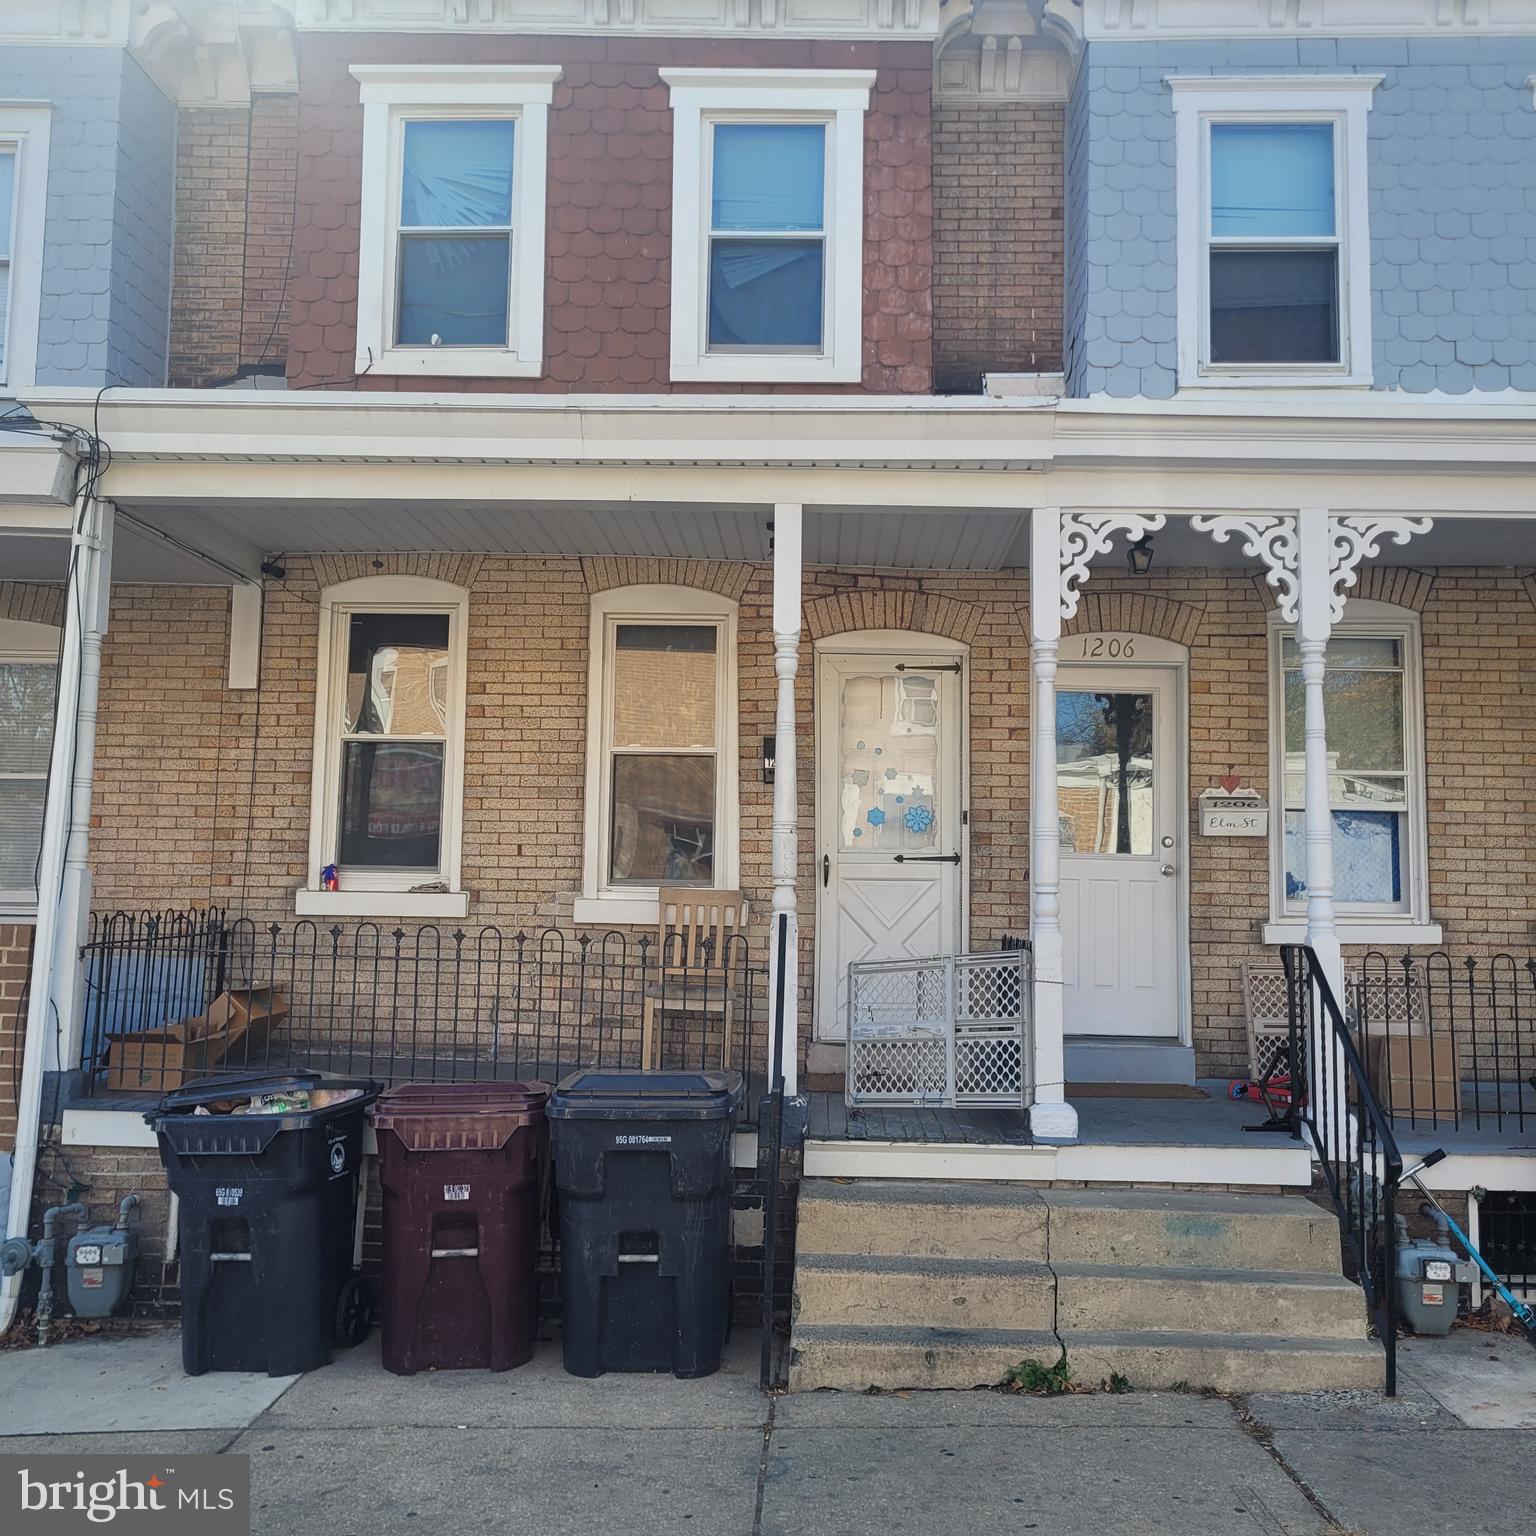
x,y
1274,244
767,241
455,254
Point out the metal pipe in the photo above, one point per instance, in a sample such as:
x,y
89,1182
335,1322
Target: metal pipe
x,y
47,1256
90,573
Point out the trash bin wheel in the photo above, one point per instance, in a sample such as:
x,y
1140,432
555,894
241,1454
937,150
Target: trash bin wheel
x,y
354,1312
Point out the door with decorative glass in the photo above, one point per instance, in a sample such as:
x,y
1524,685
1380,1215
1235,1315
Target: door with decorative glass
x,y
1121,848
888,811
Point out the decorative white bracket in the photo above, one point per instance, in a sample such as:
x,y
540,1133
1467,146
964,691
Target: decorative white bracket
x,y
1269,538
1086,534
1354,539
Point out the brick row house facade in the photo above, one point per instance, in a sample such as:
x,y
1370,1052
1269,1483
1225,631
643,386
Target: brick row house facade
x,y
940,475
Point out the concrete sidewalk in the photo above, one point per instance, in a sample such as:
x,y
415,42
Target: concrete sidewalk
x,y
352,1451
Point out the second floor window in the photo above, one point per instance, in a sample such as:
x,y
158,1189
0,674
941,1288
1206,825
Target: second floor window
x,y
24,132
27,678
1274,261
454,256
451,259
1274,244
768,224
767,236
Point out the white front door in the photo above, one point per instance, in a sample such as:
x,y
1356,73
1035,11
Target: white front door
x,y
888,816
1117,781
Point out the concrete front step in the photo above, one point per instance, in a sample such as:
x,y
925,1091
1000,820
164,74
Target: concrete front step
x,y
924,1292
959,1220
1191,1230
1278,1303
857,1358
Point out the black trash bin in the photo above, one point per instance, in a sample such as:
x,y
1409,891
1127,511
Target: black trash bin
x,y
643,1175
268,1220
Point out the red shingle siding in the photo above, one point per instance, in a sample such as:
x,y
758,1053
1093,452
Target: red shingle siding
x,y
998,241
608,253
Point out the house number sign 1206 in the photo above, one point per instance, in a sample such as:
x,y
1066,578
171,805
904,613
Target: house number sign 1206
x,y
1102,648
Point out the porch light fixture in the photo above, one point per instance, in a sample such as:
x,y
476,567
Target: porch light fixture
x,y
1139,556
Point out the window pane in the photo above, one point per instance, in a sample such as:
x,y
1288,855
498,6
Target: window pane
x,y
664,685
454,290
457,175
1367,856
663,819
391,804
1272,179
1350,651
888,751
1104,771
7,197
1363,715
769,176
21,832
397,665
765,293
26,716
1274,306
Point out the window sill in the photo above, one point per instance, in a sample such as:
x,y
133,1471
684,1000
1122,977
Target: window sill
x,y
450,363
308,903
773,368
24,915
612,911
1364,932
1198,383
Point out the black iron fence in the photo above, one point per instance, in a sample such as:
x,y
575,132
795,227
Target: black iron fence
x,y
1449,1043
1350,1134
176,995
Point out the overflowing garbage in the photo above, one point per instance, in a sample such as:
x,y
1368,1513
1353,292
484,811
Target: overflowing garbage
x,y
284,1102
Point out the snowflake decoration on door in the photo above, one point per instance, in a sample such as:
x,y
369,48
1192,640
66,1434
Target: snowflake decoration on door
x,y
917,819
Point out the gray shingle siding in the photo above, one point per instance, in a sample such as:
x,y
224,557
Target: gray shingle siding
x,y
1452,151
107,240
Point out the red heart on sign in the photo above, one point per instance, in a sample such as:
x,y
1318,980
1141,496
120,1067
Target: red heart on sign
x,y
1229,782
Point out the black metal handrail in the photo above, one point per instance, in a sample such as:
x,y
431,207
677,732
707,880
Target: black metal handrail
x,y
772,1125
1351,1137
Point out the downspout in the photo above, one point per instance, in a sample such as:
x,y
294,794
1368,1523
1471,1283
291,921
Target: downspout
x,y
69,793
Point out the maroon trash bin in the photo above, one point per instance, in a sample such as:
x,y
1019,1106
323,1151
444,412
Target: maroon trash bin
x,y
462,1168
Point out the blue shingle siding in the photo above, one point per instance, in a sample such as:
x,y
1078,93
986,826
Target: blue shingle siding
x,y
107,240
1452,151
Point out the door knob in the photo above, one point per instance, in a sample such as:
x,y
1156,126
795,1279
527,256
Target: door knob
x,y
826,870
1166,869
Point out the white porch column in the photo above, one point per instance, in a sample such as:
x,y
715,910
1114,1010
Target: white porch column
x,y
1050,1116
63,882
1314,624
784,941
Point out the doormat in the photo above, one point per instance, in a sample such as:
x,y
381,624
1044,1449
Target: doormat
x,y
1134,1091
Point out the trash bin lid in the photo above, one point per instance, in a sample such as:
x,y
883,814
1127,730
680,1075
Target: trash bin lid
x,y
617,1093
459,1117
178,1106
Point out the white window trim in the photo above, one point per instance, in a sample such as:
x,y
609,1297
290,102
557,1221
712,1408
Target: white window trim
x,y
1358,922
837,97
25,128
1342,100
391,94
384,893
22,640
599,902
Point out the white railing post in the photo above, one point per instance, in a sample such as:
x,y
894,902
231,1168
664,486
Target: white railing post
x,y
1050,1116
783,987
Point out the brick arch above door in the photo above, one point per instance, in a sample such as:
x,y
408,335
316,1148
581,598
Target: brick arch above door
x,y
921,613
34,602
1136,613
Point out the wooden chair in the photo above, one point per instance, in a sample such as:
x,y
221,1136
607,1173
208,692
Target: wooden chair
x,y
694,972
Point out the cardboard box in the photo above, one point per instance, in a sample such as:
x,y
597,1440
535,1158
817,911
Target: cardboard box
x,y
1417,1075
158,1060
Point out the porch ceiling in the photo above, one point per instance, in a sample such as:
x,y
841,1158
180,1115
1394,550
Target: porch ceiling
x,y
240,533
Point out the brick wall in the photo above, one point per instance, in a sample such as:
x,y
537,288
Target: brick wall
x,y
997,241
235,174
608,251
15,966
231,824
